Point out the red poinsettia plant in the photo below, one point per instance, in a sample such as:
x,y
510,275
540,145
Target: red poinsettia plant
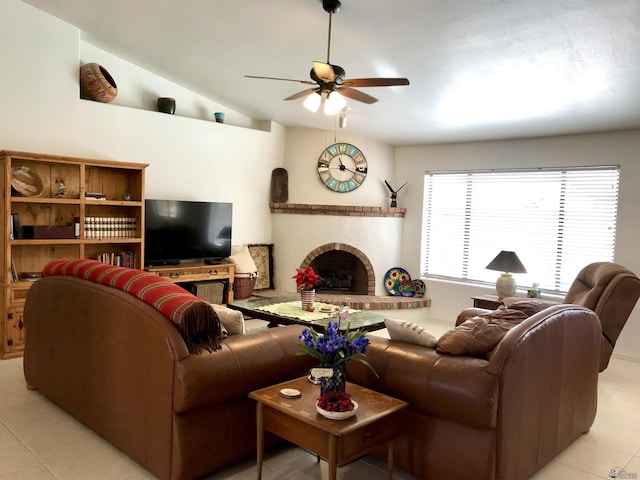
x,y
306,279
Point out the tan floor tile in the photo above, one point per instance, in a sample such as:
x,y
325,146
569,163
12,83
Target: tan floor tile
x,y
591,457
632,469
104,462
14,455
617,438
52,434
34,473
611,415
558,471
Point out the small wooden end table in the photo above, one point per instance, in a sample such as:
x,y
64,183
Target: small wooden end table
x,y
338,441
490,302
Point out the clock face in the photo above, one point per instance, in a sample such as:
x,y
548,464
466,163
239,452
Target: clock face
x,y
342,167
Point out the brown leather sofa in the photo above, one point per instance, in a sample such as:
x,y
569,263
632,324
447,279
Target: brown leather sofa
x,y
121,368
499,416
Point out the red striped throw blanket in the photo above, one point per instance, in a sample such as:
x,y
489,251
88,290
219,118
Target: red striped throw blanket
x,y
195,319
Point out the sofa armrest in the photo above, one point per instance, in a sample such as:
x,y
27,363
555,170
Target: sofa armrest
x,y
583,323
548,372
245,363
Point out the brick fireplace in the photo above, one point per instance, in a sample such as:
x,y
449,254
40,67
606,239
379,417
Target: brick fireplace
x,y
344,269
353,245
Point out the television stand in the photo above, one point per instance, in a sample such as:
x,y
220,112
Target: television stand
x,y
198,272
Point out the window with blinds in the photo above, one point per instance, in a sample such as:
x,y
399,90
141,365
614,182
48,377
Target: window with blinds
x,y
557,220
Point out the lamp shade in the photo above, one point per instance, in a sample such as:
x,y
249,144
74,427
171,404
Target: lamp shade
x,y
507,261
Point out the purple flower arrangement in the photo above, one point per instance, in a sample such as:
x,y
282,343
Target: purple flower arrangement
x,y
335,347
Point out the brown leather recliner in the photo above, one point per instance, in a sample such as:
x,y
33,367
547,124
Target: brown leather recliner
x,y
609,289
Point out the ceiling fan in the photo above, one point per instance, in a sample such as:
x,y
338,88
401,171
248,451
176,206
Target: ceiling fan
x,y
329,82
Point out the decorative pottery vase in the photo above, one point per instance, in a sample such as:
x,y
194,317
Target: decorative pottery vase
x,y
97,84
167,105
308,297
336,382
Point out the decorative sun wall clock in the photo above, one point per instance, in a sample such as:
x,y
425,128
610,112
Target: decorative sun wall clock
x,y
342,167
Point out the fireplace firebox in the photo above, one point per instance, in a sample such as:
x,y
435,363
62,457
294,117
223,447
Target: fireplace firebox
x,y
344,269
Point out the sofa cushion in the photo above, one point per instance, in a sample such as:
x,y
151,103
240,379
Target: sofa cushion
x,y
232,321
409,332
480,334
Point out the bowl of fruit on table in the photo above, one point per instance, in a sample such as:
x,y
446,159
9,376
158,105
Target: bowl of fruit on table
x,y
337,406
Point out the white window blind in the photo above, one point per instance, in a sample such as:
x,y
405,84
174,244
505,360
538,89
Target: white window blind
x,y
557,220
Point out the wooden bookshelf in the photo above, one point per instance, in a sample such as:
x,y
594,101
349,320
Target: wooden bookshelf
x,y
47,194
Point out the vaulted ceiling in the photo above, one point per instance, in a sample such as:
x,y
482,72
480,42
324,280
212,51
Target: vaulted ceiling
x,y
479,69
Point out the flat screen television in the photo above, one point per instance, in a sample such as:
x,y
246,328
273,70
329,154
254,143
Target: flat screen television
x,y
179,231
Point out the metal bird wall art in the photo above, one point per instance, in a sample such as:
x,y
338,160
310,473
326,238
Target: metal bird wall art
x,y
394,193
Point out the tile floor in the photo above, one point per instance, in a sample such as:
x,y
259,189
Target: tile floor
x,y
38,441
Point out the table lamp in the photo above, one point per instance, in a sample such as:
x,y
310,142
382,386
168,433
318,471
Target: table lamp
x,y
506,262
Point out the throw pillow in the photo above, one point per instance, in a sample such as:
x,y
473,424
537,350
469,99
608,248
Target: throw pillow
x,y
231,320
480,334
242,259
409,332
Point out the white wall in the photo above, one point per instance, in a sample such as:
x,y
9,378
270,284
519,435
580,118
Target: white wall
x,y
189,158
294,236
617,148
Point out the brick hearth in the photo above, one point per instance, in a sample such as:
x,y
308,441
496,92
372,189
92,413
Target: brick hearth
x,y
360,302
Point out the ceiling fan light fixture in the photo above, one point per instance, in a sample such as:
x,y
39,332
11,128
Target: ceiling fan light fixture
x,y
334,103
312,102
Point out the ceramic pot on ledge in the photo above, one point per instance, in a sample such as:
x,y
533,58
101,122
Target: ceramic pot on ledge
x,y
167,105
97,84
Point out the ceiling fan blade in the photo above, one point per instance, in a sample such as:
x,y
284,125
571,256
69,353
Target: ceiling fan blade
x,y
301,94
375,82
306,82
324,71
356,95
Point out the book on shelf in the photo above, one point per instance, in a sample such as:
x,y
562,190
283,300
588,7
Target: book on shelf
x,y
16,227
125,259
14,272
110,227
95,196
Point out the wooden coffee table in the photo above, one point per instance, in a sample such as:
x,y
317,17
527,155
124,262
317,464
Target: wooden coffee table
x,y
338,441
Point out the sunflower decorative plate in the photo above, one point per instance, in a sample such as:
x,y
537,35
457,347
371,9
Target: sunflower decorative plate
x,y
394,278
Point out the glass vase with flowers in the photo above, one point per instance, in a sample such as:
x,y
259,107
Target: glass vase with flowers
x,y
334,348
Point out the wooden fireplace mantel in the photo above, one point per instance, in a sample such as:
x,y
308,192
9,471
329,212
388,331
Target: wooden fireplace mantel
x,y
337,210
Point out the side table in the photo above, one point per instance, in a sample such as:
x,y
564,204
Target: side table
x,y
338,441
490,302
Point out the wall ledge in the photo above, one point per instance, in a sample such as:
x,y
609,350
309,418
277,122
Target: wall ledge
x,y
337,210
